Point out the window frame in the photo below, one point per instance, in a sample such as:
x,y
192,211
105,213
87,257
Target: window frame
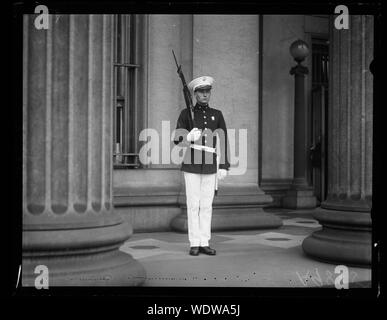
x,y
129,88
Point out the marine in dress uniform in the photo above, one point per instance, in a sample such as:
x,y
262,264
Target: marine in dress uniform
x,y
200,165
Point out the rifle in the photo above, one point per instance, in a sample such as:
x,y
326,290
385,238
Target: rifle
x,y
187,94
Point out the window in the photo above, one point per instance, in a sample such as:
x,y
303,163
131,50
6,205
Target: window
x,y
129,100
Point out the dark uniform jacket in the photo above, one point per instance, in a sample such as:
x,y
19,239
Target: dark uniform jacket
x,y
211,122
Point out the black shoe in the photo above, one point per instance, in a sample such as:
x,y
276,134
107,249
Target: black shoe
x,y
194,251
207,250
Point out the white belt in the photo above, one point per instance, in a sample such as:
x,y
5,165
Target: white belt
x,y
203,148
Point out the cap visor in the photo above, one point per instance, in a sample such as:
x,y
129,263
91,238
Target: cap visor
x,y
203,87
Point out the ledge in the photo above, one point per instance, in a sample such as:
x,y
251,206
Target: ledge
x,y
143,195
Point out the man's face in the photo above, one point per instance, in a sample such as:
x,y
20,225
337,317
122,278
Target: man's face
x,y
202,96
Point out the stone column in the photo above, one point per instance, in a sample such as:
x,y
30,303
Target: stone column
x,y
345,215
301,194
69,224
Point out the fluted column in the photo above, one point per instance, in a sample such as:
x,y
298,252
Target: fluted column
x,y
345,215
69,224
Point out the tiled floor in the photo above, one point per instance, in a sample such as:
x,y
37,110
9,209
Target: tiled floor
x,y
253,258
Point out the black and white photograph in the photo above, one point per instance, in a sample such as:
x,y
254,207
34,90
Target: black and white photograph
x,y
209,150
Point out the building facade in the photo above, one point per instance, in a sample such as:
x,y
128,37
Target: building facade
x,y
101,100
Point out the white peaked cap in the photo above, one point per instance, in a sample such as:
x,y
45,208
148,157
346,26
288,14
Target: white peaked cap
x,y
201,82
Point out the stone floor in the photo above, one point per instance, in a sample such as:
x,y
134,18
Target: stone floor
x,y
253,258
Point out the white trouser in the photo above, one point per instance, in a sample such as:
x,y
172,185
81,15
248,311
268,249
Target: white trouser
x,y
200,194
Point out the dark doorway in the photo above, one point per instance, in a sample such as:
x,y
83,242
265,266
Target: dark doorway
x,y
319,113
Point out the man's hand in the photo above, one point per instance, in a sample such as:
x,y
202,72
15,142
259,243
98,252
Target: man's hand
x,y
222,173
194,134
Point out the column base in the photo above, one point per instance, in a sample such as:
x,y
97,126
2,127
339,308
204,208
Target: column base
x,y
105,269
232,219
234,208
299,199
344,239
81,257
